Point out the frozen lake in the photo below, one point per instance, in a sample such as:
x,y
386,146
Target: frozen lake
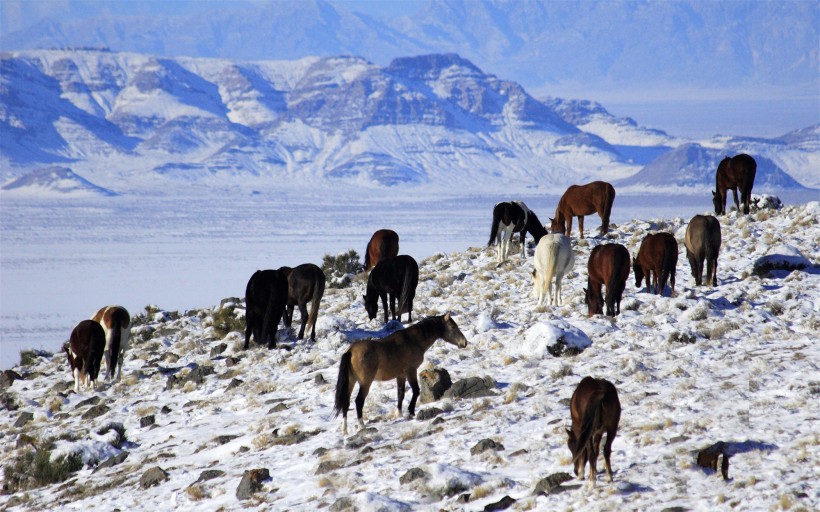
x,y
60,260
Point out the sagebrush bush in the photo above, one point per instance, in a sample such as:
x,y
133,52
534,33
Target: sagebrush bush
x,y
34,469
224,321
340,269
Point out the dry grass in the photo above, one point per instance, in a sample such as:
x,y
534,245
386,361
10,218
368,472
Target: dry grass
x,y
196,493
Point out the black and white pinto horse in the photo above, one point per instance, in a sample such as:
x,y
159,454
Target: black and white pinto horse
x,y
85,352
509,218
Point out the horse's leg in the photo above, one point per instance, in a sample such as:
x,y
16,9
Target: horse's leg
x,y
394,298
737,203
109,372
304,318
569,225
364,388
581,225
610,436
523,244
558,299
593,458
400,381
412,378
248,327
384,306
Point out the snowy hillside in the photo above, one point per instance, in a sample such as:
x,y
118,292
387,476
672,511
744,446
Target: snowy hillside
x,y
735,363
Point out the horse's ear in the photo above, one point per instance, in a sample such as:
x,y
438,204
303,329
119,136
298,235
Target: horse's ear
x,y
447,317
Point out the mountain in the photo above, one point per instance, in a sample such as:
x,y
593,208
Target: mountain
x,y
54,181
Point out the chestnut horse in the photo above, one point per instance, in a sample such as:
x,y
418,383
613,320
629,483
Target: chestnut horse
x,y
656,260
115,322
85,352
608,265
595,410
509,218
733,173
396,356
703,243
397,277
579,200
306,283
383,244
266,297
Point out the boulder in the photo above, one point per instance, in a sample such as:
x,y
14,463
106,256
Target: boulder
x,y
251,482
433,384
153,476
472,387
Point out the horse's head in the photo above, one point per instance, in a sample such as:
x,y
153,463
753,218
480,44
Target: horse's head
x,y
594,302
371,304
717,201
638,272
452,334
572,444
557,225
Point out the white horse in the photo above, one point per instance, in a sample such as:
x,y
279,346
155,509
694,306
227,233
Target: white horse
x,y
116,323
553,259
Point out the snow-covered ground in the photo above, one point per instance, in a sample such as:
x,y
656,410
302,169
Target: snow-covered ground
x,y
736,363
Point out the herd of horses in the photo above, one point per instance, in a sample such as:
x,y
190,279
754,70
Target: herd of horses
x,y
272,295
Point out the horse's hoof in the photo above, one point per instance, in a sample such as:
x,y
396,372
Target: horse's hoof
x,y
271,346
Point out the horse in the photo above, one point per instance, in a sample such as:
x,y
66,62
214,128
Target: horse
x,y
657,255
608,264
397,277
383,244
509,218
580,200
553,260
595,409
703,243
116,323
266,297
733,173
306,283
85,350
396,356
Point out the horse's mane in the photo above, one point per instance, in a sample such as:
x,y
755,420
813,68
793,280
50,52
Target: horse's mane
x,y
429,324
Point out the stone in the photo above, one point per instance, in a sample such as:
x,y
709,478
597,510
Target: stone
x,y
413,474
343,504
147,421
225,439
472,387
484,445
153,476
8,377
552,483
24,418
94,400
113,461
433,384
235,383
165,409
503,504
218,349
251,482
428,413
319,379
328,466
95,412
209,474
231,361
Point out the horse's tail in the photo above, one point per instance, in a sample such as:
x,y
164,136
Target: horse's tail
x,y
749,171
615,286
367,257
550,269
267,318
119,318
408,289
494,227
590,423
318,293
342,403
609,199
667,267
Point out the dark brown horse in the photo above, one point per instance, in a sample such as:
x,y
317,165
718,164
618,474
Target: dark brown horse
x,y
383,244
595,410
266,297
608,265
579,200
657,259
306,283
509,218
733,173
397,356
703,243
396,277
85,352
116,323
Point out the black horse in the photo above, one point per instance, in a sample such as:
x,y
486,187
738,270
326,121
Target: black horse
x,y
397,277
306,283
513,217
265,299
703,244
737,172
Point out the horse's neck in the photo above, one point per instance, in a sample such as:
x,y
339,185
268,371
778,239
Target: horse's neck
x,y
429,333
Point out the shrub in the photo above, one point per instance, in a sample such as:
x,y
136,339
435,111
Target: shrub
x,y
35,469
340,269
224,321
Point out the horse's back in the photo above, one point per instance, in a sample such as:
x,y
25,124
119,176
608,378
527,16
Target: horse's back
x,y
702,234
265,285
606,259
383,244
588,389
587,199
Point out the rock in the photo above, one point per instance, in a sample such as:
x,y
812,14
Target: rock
x,y
251,482
215,351
95,412
413,474
278,408
433,384
319,379
675,509
231,361
209,474
8,377
295,438
328,466
94,400
552,483
765,201
24,418
153,476
225,439
343,504
428,413
484,445
472,387
505,503
147,421
112,461
165,409
784,258
25,440
235,383
318,452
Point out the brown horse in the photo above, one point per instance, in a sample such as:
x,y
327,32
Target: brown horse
x,y
115,322
85,352
579,200
733,173
509,218
397,277
608,265
383,244
657,259
306,283
266,297
397,356
595,409
703,243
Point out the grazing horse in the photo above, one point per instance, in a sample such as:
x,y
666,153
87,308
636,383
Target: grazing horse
x,y
85,352
703,243
608,265
656,260
580,200
116,323
733,173
383,244
306,283
397,277
553,260
396,356
509,218
595,410
266,297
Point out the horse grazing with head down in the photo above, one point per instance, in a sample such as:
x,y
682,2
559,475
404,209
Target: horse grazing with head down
x,y
553,260
396,356
595,410
656,260
383,244
266,297
579,200
509,218
397,277
306,283
703,243
608,265
85,352
116,323
733,173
